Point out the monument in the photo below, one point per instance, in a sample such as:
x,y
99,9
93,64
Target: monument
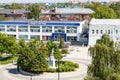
x,y
51,61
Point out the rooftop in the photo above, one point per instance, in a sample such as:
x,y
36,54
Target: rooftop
x,y
70,11
105,22
12,11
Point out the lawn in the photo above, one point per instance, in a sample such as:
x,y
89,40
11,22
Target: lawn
x,y
8,60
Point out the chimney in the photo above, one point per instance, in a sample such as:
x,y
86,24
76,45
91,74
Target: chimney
x,y
55,9
14,11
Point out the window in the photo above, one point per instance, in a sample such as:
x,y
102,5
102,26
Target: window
x,y
71,29
92,31
34,28
47,29
23,37
59,29
71,38
2,28
108,31
11,28
45,38
96,31
23,28
116,31
12,35
34,36
101,31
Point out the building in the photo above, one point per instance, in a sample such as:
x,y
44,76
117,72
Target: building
x,y
66,14
15,14
98,27
44,30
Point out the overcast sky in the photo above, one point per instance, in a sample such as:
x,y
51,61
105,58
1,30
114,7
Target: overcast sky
x,y
35,1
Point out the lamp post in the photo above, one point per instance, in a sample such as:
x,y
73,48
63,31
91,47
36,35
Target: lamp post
x,y
58,69
31,77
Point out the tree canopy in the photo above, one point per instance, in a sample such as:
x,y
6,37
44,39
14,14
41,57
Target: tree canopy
x,y
8,44
105,60
14,6
33,55
101,11
34,11
116,8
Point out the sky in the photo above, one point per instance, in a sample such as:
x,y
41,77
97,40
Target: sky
x,y
38,1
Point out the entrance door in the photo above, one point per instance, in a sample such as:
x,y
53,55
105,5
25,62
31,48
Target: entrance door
x,y
58,36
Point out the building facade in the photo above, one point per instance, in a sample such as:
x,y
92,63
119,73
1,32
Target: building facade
x,y
15,14
98,27
43,30
66,14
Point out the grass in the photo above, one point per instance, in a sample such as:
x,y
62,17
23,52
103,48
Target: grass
x,y
8,60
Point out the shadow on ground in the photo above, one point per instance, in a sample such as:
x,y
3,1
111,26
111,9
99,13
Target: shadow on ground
x,y
14,70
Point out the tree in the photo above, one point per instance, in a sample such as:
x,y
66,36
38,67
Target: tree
x,y
104,12
57,52
8,44
14,6
61,45
101,11
34,11
39,64
105,60
26,56
2,18
32,56
116,8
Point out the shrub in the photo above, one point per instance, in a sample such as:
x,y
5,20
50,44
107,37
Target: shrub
x,y
52,70
67,66
64,51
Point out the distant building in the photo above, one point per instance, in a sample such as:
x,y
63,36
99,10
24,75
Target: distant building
x,y
15,14
67,14
98,27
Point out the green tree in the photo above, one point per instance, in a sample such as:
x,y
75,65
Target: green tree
x,y
26,56
104,12
57,52
105,60
39,64
101,11
34,11
8,44
116,8
49,46
32,56
2,18
61,45
14,6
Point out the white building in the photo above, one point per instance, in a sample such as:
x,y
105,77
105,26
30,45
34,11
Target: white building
x,y
44,30
98,27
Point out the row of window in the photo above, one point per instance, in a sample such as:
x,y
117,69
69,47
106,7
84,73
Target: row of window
x,y
57,29
104,31
45,38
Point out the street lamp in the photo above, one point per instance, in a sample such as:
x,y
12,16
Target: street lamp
x,y
30,75
58,69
